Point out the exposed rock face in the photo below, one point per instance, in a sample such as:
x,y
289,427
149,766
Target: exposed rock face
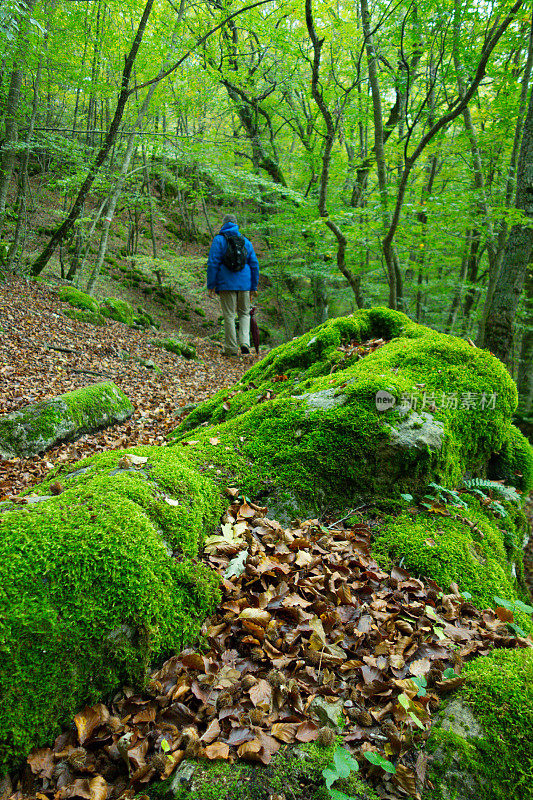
x,y
481,749
39,426
417,434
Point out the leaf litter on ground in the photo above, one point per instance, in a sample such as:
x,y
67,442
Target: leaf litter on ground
x,y
308,620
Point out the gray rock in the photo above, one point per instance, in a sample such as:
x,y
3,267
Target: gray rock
x,y
411,449
325,400
418,431
326,713
459,717
456,782
39,426
183,775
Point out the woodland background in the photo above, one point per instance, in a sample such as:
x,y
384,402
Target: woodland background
x,y
375,153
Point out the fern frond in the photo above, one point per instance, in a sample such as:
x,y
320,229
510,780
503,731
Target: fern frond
x,y
507,493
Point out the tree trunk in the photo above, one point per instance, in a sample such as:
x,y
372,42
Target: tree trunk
x,y
504,304
510,182
9,149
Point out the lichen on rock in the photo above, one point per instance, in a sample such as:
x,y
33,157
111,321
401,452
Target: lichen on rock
x,y
39,426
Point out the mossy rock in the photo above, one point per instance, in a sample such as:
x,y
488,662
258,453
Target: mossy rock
x,y
293,773
96,582
39,426
468,546
77,299
118,310
483,749
188,351
141,321
305,420
85,316
142,312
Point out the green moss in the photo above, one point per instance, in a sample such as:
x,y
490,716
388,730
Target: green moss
x,y
499,689
293,773
188,351
85,316
470,547
514,462
344,444
68,294
89,593
118,310
38,426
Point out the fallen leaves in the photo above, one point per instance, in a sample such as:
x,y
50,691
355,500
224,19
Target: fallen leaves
x,y
44,354
310,631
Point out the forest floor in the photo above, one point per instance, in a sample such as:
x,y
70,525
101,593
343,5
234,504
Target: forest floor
x,y
43,354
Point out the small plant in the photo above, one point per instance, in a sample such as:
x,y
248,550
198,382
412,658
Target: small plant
x,y
421,682
441,496
410,709
379,761
480,486
342,766
511,607
449,674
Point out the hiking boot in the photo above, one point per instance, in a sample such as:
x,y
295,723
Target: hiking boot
x,y
245,351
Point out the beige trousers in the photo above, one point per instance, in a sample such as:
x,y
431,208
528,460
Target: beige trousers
x,y
235,304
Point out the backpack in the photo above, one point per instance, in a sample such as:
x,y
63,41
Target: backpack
x,y
236,254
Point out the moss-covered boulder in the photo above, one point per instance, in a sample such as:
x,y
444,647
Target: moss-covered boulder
x,y
95,582
89,317
173,345
101,578
482,748
317,422
293,773
77,299
118,310
469,545
39,426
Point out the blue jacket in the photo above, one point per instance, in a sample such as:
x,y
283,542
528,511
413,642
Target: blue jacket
x,y
222,279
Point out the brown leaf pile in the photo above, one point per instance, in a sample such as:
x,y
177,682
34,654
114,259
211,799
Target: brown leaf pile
x,y
312,622
44,354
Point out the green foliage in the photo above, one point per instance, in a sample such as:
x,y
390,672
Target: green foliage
x,y
343,764
507,493
441,494
379,761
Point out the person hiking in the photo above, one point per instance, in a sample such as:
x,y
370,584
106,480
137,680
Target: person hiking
x,y
233,274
